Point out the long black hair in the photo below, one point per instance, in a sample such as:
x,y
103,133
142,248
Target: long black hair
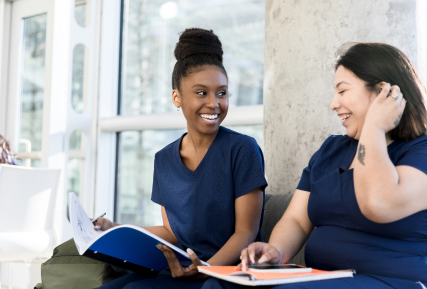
x,y
377,62
195,49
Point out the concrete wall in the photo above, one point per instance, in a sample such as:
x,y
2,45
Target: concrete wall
x,y
302,37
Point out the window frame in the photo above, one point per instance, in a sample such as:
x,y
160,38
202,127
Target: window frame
x,y
111,123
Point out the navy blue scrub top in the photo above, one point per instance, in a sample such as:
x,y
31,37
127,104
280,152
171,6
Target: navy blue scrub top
x,y
200,204
344,237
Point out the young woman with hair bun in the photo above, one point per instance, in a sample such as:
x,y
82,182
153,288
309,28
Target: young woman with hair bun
x,y
210,182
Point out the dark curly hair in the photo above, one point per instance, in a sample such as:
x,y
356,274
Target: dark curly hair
x,y
196,48
377,62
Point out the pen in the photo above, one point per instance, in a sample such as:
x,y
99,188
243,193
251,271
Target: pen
x,y
96,219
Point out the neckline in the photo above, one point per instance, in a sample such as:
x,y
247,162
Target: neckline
x,y
184,167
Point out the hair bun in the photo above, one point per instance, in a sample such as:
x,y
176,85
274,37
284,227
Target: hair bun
x,y
198,41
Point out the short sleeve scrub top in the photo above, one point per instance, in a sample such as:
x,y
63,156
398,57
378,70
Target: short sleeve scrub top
x,y
200,204
392,255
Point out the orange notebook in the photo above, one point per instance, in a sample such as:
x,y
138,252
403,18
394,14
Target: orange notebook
x,y
251,278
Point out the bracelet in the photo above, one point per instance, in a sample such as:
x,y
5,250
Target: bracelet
x,y
281,256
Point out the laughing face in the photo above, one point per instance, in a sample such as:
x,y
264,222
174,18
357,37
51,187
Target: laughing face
x,y
203,97
351,101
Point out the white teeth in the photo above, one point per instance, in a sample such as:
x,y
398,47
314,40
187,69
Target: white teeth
x,y
344,117
209,116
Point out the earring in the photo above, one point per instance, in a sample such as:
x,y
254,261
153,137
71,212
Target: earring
x,y
177,108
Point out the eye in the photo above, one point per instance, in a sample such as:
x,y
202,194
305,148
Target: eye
x,y
201,93
341,92
222,93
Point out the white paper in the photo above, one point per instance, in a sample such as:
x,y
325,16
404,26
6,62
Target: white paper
x,y
81,225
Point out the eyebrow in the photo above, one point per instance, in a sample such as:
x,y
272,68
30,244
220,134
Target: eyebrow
x,y
206,86
341,82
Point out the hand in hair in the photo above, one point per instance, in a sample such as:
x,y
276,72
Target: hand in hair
x,y
387,109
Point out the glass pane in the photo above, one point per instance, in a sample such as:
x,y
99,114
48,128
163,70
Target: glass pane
x,y
76,140
75,167
137,150
82,12
151,30
32,81
73,173
79,81
255,131
136,167
29,163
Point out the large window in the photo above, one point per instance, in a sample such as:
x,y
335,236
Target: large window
x,y
150,31
32,84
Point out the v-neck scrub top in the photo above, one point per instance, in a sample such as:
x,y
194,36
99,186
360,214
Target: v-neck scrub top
x,y
200,204
344,237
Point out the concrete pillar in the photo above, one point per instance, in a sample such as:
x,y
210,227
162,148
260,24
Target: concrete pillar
x,y
302,37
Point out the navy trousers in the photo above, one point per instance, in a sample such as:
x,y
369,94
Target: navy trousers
x,y
357,282
162,280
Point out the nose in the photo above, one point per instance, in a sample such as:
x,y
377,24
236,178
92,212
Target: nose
x,y
212,101
335,103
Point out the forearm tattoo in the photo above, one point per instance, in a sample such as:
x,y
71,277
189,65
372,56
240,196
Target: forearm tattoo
x,y
361,154
397,121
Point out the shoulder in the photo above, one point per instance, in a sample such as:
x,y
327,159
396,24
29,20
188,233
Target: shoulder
x,y
419,144
335,141
167,151
236,140
405,149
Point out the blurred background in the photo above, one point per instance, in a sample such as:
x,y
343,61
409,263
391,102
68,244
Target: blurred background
x,y
85,86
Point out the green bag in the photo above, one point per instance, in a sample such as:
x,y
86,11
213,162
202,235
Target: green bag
x,y
68,270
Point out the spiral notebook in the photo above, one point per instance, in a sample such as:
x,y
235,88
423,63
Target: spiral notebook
x,y
251,278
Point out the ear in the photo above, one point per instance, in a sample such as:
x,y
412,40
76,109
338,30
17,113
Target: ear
x,y
176,98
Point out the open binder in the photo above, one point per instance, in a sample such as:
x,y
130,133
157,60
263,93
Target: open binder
x,y
126,246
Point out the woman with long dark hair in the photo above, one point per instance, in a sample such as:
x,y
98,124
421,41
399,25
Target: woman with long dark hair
x,y
365,192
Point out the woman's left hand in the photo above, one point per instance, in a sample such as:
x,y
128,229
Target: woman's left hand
x,y
176,269
387,109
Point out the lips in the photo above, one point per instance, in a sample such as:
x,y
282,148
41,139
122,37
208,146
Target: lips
x,y
344,117
209,118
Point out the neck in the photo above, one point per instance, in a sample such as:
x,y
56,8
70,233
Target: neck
x,y
388,138
197,140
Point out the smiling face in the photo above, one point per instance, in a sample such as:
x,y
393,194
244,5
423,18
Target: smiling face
x,y
351,101
203,97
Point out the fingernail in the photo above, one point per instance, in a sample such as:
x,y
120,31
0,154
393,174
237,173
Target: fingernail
x,y
190,252
158,246
97,227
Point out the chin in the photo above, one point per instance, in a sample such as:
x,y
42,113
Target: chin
x,y
209,130
351,133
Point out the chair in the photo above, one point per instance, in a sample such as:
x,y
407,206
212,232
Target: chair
x,y
27,203
275,207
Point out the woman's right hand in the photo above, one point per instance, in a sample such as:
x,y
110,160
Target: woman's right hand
x,y
259,253
103,224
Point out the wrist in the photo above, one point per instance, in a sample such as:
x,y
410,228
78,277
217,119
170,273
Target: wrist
x,y
372,126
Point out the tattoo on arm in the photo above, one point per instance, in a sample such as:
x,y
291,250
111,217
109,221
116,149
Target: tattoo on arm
x,y
397,121
361,154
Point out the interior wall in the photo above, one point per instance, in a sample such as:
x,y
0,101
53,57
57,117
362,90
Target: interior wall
x,y
302,37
